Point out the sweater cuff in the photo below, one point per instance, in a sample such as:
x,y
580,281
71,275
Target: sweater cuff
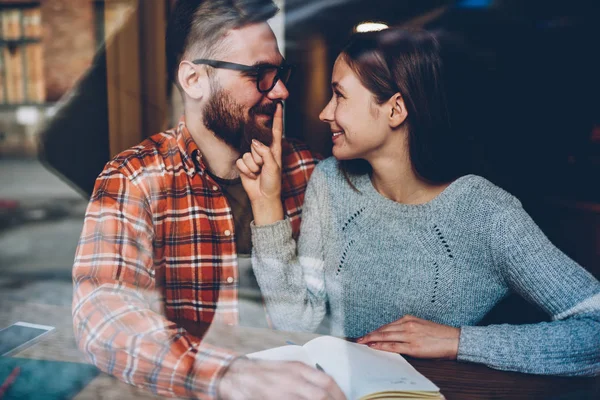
x,y
474,345
268,239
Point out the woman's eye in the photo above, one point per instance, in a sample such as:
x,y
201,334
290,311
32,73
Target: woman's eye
x,y
338,95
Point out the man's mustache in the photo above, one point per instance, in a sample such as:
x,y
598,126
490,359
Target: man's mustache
x,y
267,109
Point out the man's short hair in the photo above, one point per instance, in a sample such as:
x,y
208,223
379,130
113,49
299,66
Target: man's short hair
x,y
199,26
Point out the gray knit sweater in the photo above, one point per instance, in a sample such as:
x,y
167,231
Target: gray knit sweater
x,y
450,261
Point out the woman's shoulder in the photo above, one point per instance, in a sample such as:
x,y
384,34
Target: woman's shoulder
x,y
479,191
328,166
329,177
328,171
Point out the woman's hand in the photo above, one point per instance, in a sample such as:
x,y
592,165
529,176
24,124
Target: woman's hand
x,y
415,337
260,171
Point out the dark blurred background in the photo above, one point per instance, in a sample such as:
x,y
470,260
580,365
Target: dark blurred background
x,y
535,111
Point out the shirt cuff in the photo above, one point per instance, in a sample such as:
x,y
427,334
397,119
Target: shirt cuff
x,y
210,367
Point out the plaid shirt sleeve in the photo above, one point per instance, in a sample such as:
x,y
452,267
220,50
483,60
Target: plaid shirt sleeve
x,y
116,321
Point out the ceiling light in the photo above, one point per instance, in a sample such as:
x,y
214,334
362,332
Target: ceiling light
x,y
370,27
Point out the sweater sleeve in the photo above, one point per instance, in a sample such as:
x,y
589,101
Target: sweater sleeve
x,y
290,274
534,268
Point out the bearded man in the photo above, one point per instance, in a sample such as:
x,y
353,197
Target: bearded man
x,y
168,221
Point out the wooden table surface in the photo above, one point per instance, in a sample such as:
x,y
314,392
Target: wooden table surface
x,y
456,380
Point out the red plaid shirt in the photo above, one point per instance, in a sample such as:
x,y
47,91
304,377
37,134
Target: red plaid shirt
x,y
158,246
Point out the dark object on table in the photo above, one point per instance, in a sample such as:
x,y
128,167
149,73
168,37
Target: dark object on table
x,y
41,379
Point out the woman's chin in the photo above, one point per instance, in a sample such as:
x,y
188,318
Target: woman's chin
x,y
342,155
337,154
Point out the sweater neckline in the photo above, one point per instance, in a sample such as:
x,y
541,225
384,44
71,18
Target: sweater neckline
x,y
437,202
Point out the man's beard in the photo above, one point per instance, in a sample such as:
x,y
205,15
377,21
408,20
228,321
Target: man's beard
x,y
225,117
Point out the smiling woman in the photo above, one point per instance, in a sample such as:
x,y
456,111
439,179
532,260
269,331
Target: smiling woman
x,y
412,252
419,72
353,115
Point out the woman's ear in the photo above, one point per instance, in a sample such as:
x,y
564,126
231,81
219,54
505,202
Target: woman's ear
x,y
397,113
192,80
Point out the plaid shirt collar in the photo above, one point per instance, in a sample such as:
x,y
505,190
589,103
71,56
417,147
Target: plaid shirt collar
x,y
190,153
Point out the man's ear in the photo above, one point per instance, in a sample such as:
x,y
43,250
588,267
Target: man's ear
x,y
193,80
397,110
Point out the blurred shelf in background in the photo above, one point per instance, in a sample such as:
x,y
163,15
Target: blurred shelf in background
x,y
21,53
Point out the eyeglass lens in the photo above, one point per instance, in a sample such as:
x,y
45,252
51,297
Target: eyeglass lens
x,y
269,76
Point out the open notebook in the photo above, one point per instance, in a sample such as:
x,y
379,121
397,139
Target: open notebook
x,y
361,372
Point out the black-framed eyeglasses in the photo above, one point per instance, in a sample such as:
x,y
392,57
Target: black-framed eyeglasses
x,y
266,75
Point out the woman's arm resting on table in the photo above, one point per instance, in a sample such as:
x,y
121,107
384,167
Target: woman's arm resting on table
x,y
542,274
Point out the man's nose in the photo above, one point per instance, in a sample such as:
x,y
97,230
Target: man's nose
x,y
279,92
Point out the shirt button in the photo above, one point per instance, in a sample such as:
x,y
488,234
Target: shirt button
x,y
215,188
227,232
230,279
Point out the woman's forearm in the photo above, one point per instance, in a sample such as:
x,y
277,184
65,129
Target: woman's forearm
x,y
267,212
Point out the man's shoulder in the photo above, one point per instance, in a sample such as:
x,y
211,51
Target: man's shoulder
x,y
297,155
298,164
148,157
